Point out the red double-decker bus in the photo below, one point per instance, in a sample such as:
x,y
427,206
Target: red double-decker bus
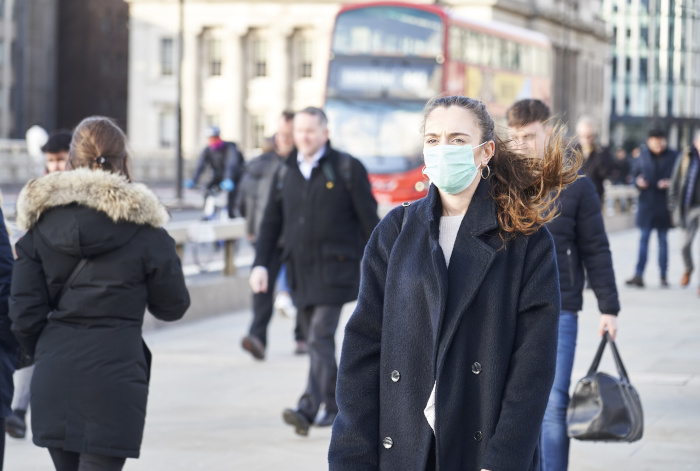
x,y
389,58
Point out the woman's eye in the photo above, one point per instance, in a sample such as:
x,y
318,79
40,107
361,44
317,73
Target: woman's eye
x,y
458,140
430,141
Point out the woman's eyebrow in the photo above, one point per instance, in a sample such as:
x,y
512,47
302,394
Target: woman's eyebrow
x,y
452,134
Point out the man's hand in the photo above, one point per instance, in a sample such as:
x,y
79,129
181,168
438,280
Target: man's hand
x,y
663,183
642,183
258,280
608,322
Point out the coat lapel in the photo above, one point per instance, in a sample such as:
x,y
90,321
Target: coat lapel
x,y
470,261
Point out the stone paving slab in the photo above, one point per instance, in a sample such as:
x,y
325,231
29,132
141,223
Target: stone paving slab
x,y
212,407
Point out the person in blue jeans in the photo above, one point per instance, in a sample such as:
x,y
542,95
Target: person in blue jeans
x,y
652,175
581,244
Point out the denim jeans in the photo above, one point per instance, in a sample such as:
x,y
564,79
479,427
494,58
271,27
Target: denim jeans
x,y
555,441
644,249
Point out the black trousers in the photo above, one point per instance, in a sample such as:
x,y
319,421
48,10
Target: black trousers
x,y
263,304
323,369
70,461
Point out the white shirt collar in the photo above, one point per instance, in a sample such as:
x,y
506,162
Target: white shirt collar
x,y
307,167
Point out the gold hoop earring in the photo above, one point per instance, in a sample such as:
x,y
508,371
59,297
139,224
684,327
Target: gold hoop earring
x,y
488,174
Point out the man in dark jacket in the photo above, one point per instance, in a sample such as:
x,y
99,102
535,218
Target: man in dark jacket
x,y
652,173
254,190
226,163
581,243
684,201
322,206
598,163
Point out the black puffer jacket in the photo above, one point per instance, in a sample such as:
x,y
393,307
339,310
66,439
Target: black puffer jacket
x,y
90,383
581,242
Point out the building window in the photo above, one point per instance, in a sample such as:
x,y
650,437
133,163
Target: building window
x,y
306,56
259,50
257,131
167,129
166,57
215,54
2,52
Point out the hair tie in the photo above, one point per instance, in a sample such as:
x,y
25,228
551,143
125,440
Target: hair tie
x,y
100,160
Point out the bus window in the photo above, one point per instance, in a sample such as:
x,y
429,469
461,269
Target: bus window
x,y
472,47
456,48
388,31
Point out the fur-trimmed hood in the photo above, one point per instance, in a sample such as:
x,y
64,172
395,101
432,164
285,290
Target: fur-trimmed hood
x,y
105,192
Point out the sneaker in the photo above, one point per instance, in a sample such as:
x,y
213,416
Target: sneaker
x,y
664,282
685,279
284,304
254,346
302,348
15,424
636,280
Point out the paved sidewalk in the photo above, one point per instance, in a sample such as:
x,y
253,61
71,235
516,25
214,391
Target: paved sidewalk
x,y
211,407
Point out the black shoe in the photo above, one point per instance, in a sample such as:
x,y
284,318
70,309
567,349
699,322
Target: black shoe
x,y
302,348
254,346
664,283
636,280
297,420
326,420
15,425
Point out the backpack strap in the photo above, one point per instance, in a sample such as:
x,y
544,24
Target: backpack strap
x,y
405,214
281,175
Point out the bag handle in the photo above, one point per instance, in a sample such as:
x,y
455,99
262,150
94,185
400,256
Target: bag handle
x,y
616,356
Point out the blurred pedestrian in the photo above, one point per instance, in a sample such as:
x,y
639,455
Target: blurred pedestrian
x,y
449,357
581,244
325,214
56,151
226,164
621,168
652,173
684,201
94,258
9,348
255,188
597,162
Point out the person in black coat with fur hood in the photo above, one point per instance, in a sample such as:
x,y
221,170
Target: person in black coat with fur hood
x,y
95,240
449,357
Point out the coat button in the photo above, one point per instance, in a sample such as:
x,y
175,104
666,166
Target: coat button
x,y
388,442
476,368
395,376
301,220
478,436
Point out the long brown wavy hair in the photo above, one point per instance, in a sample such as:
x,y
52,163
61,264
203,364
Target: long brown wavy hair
x,y
98,143
524,187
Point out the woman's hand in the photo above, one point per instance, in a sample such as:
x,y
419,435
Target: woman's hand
x,y
608,322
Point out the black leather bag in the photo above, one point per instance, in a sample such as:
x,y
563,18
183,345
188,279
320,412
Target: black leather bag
x,y
604,407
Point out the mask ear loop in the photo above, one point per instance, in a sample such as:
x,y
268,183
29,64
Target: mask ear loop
x,y
423,172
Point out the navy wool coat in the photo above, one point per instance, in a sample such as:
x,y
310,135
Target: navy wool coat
x,y
485,329
652,209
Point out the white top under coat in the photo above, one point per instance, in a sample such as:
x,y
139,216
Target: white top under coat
x,y
449,226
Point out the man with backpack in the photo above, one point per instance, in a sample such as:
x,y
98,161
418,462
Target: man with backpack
x,y
325,213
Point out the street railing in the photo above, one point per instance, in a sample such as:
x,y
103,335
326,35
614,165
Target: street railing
x,y
209,232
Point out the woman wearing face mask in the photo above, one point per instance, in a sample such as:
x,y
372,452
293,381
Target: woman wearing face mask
x,y
449,358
